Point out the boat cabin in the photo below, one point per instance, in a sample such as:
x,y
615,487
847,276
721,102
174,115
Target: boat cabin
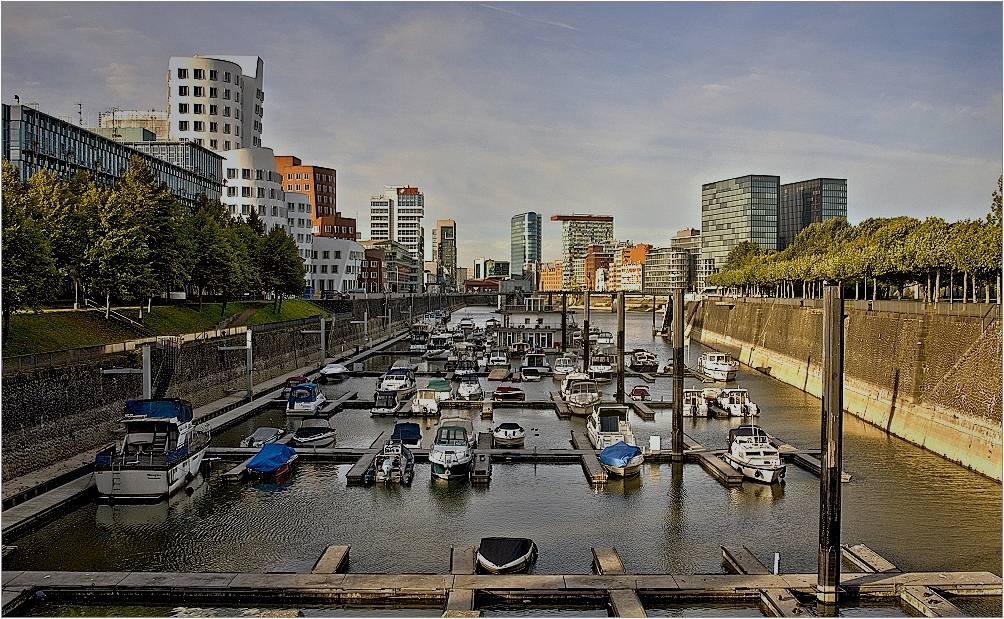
x,y
452,436
610,416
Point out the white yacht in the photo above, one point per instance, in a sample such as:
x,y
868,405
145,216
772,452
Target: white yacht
x,y
498,358
470,388
608,425
509,434
736,403
160,452
535,361
399,379
451,450
315,432
571,379
465,367
604,338
427,399
387,403
582,398
563,366
601,367
694,404
718,366
305,399
752,454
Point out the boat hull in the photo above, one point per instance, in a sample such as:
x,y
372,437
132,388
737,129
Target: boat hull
x,y
321,441
139,483
632,468
520,565
456,471
757,473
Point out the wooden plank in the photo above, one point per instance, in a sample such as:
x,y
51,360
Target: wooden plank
x,y
866,559
35,512
460,603
625,603
648,378
607,561
462,560
335,560
643,411
929,603
802,459
781,603
739,560
595,472
580,440
722,471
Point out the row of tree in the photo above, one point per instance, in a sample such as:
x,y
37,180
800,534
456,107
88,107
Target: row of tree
x,y
890,255
132,242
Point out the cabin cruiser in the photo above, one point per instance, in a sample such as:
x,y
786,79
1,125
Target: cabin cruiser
x,y
428,398
736,403
393,464
536,361
419,339
509,434
518,349
465,367
563,366
601,367
399,379
608,425
498,358
410,434
571,379
160,452
470,388
261,436
305,399
605,338
506,555
621,459
753,455
640,393
718,366
508,393
439,346
387,403
314,432
466,324
333,371
694,404
582,397
529,375
643,361
273,463
291,382
451,450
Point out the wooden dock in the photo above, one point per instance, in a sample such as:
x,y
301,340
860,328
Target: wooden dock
x,y
595,472
335,560
642,410
354,476
560,406
803,459
709,459
780,602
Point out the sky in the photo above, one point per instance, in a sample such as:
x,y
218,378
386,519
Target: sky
x,y
623,109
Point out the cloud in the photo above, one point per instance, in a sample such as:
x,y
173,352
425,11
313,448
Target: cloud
x,y
530,19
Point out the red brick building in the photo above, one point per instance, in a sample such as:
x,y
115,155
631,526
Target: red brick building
x,y
319,183
371,271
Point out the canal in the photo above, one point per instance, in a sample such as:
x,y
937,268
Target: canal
x,y
913,507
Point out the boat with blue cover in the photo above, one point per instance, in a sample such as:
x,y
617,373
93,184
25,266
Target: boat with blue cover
x,y
274,462
410,434
621,459
161,450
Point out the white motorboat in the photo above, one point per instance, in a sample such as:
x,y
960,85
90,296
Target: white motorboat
x,y
736,403
387,403
506,555
518,349
399,379
161,451
571,379
261,436
509,434
466,324
601,367
333,371
465,367
393,464
563,366
622,459
305,399
604,338
643,361
427,399
439,346
315,432
608,425
536,361
529,375
582,398
451,450
718,366
694,403
470,388
419,338
498,358
751,453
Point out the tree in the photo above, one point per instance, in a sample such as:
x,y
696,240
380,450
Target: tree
x,y
117,263
213,259
68,215
281,267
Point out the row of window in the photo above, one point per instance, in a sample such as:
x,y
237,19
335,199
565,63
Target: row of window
x,y
246,192
200,74
214,93
214,127
259,175
199,108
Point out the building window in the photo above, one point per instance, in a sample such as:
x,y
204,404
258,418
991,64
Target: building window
x,y
338,255
334,268
261,210
198,91
182,108
244,209
275,211
324,268
214,92
246,173
226,143
226,111
226,93
182,91
213,127
297,176
198,108
214,110
289,176
298,186
306,187
182,74
199,74
231,192
231,172
198,126
326,255
271,193
226,127
213,73
259,175
245,192
237,129
261,192
226,77
214,144
182,125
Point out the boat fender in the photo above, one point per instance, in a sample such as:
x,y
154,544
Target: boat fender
x,y
757,475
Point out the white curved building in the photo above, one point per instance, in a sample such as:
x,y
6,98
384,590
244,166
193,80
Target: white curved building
x,y
252,184
216,101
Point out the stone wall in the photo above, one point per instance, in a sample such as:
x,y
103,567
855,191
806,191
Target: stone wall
x,y
933,380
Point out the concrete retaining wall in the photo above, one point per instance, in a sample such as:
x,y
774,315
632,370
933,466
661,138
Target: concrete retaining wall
x,y
930,379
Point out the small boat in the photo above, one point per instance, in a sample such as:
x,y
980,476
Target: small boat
x,y
509,434
498,358
291,382
506,555
571,379
640,393
451,450
601,367
605,338
736,403
508,393
261,436
518,349
315,432
470,388
621,459
583,398
439,346
410,434
643,361
752,454
387,403
481,470
160,452
399,379
530,375
428,398
419,339
536,361
466,324
393,464
305,399
465,367
273,463
563,366
608,425
694,403
333,371
718,366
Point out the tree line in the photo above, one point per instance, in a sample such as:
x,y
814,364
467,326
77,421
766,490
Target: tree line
x,y
131,242
888,255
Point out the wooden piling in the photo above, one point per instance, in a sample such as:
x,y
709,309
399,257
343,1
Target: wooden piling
x,y
827,591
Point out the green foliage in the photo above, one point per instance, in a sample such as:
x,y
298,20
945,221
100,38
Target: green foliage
x,y
290,310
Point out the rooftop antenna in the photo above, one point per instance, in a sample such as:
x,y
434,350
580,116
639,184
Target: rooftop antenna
x,y
80,113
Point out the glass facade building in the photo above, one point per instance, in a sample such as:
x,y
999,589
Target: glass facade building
x,y
578,232
525,242
807,202
737,210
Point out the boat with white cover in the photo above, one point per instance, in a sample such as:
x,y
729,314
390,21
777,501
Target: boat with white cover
x,y
563,366
427,399
506,555
261,436
470,388
718,366
753,455
509,434
399,379
160,452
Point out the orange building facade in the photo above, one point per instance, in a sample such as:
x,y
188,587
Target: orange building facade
x,y
319,183
550,276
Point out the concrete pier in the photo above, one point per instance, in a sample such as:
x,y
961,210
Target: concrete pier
x,y
560,406
642,410
866,559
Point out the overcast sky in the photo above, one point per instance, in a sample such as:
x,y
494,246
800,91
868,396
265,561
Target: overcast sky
x,y
619,109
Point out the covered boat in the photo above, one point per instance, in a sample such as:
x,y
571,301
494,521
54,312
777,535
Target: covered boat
x,y
261,436
505,555
274,462
315,432
470,388
509,434
305,399
753,455
621,459
410,434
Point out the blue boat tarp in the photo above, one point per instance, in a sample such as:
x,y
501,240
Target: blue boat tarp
x,y
160,409
407,432
619,454
271,458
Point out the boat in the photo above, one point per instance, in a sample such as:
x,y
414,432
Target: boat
x,y
605,338
419,339
427,399
582,398
451,450
508,393
694,403
601,367
470,388
640,393
498,358
387,403
315,432
563,366
273,463
509,434
643,361
410,434
439,346
506,555
621,459
399,379
571,379
752,454
291,382
464,367
305,399
718,366
518,349
333,371
536,361
736,403
608,425
261,436
530,375
161,451
393,464
466,324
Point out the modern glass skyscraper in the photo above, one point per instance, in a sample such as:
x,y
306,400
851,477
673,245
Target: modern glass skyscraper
x,y
736,210
578,232
808,202
525,241
444,247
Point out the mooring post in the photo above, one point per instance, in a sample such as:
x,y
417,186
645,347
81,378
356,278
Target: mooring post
x,y
585,334
620,347
830,445
564,322
250,366
678,365
147,375
653,314
324,343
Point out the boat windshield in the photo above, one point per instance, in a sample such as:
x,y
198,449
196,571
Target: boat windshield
x,y
451,435
300,393
386,400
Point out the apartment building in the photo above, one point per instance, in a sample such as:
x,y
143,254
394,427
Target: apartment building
x,y
319,184
578,232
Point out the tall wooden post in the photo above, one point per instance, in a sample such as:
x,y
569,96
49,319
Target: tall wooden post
x,y
678,366
564,322
620,347
585,334
828,584
653,315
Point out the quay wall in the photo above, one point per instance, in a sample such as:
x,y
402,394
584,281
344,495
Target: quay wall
x,y
933,380
54,413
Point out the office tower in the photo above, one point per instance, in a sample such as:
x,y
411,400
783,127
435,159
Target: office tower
x,y
397,216
807,202
525,242
578,232
688,241
319,183
737,210
444,248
